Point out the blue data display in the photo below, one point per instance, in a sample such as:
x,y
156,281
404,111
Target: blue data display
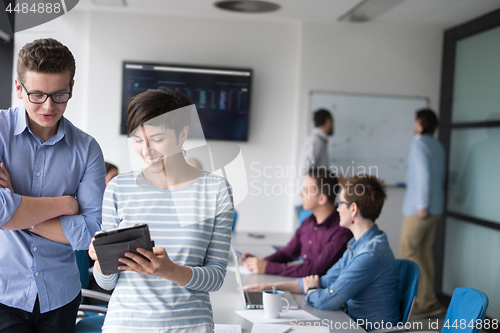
x,y
221,95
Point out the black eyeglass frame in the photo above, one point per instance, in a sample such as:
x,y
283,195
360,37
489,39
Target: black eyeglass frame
x,y
348,204
48,95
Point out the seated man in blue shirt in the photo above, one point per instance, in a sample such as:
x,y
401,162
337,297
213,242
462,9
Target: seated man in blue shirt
x,y
51,189
365,281
320,240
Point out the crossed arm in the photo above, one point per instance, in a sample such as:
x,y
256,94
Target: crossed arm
x,y
41,213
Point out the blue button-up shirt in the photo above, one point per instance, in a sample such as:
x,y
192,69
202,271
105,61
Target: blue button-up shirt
x,y
425,173
365,280
69,163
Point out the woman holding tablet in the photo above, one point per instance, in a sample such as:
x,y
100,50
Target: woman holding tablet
x,y
365,281
189,213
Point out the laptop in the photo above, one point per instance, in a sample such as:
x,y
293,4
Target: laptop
x,y
253,298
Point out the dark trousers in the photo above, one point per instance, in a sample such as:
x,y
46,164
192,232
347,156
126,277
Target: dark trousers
x,y
62,320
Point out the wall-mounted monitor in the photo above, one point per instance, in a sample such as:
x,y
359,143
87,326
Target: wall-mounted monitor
x,y
221,95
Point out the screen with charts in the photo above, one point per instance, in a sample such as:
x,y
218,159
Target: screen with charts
x,y
221,95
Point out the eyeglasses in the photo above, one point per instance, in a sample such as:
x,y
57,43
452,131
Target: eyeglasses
x,y
338,203
40,98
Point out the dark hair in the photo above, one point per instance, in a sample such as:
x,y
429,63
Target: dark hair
x,y
320,117
428,120
149,105
327,182
110,166
368,192
45,55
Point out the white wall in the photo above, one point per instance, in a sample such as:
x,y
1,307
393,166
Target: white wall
x,y
289,59
371,58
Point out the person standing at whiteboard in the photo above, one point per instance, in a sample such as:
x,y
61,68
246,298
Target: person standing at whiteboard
x,y
314,151
422,207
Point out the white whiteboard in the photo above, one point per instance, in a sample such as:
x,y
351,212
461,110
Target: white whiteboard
x,y
373,133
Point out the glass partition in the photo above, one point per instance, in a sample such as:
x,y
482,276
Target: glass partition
x,y
474,173
468,244
471,260
476,85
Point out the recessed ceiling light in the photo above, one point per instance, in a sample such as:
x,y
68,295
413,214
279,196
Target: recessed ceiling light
x,y
366,10
246,6
112,3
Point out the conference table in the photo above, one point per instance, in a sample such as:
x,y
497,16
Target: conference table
x,y
228,299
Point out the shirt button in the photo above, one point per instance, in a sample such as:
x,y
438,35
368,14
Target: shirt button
x,y
304,256
315,228
310,242
331,291
38,174
35,248
36,274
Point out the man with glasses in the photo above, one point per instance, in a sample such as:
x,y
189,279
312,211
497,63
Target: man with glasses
x,y
51,189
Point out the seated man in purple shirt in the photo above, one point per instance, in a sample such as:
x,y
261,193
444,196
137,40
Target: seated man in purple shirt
x,y
320,241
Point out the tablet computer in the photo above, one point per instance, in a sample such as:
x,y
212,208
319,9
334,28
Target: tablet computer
x,y
111,245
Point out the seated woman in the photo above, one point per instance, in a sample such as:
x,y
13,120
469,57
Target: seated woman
x,y
189,213
365,281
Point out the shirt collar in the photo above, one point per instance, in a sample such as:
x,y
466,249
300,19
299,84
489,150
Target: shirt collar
x,y
367,236
320,133
417,136
62,128
62,133
21,123
328,221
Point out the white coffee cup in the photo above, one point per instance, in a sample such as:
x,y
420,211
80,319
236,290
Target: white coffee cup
x,y
273,303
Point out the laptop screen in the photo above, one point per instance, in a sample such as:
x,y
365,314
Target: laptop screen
x,y
237,275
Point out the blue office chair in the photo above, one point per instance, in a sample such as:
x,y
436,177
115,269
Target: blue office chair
x,y
467,306
304,214
91,324
93,315
82,260
409,274
235,218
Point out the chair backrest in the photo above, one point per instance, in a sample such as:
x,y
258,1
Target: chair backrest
x,y
467,304
90,325
409,274
235,218
304,214
82,260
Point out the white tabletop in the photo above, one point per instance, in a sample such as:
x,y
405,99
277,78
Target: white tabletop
x,y
228,299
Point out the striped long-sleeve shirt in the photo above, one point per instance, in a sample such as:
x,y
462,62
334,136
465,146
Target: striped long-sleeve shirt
x,y
193,224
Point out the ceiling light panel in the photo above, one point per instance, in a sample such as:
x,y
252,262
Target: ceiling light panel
x,y
367,10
